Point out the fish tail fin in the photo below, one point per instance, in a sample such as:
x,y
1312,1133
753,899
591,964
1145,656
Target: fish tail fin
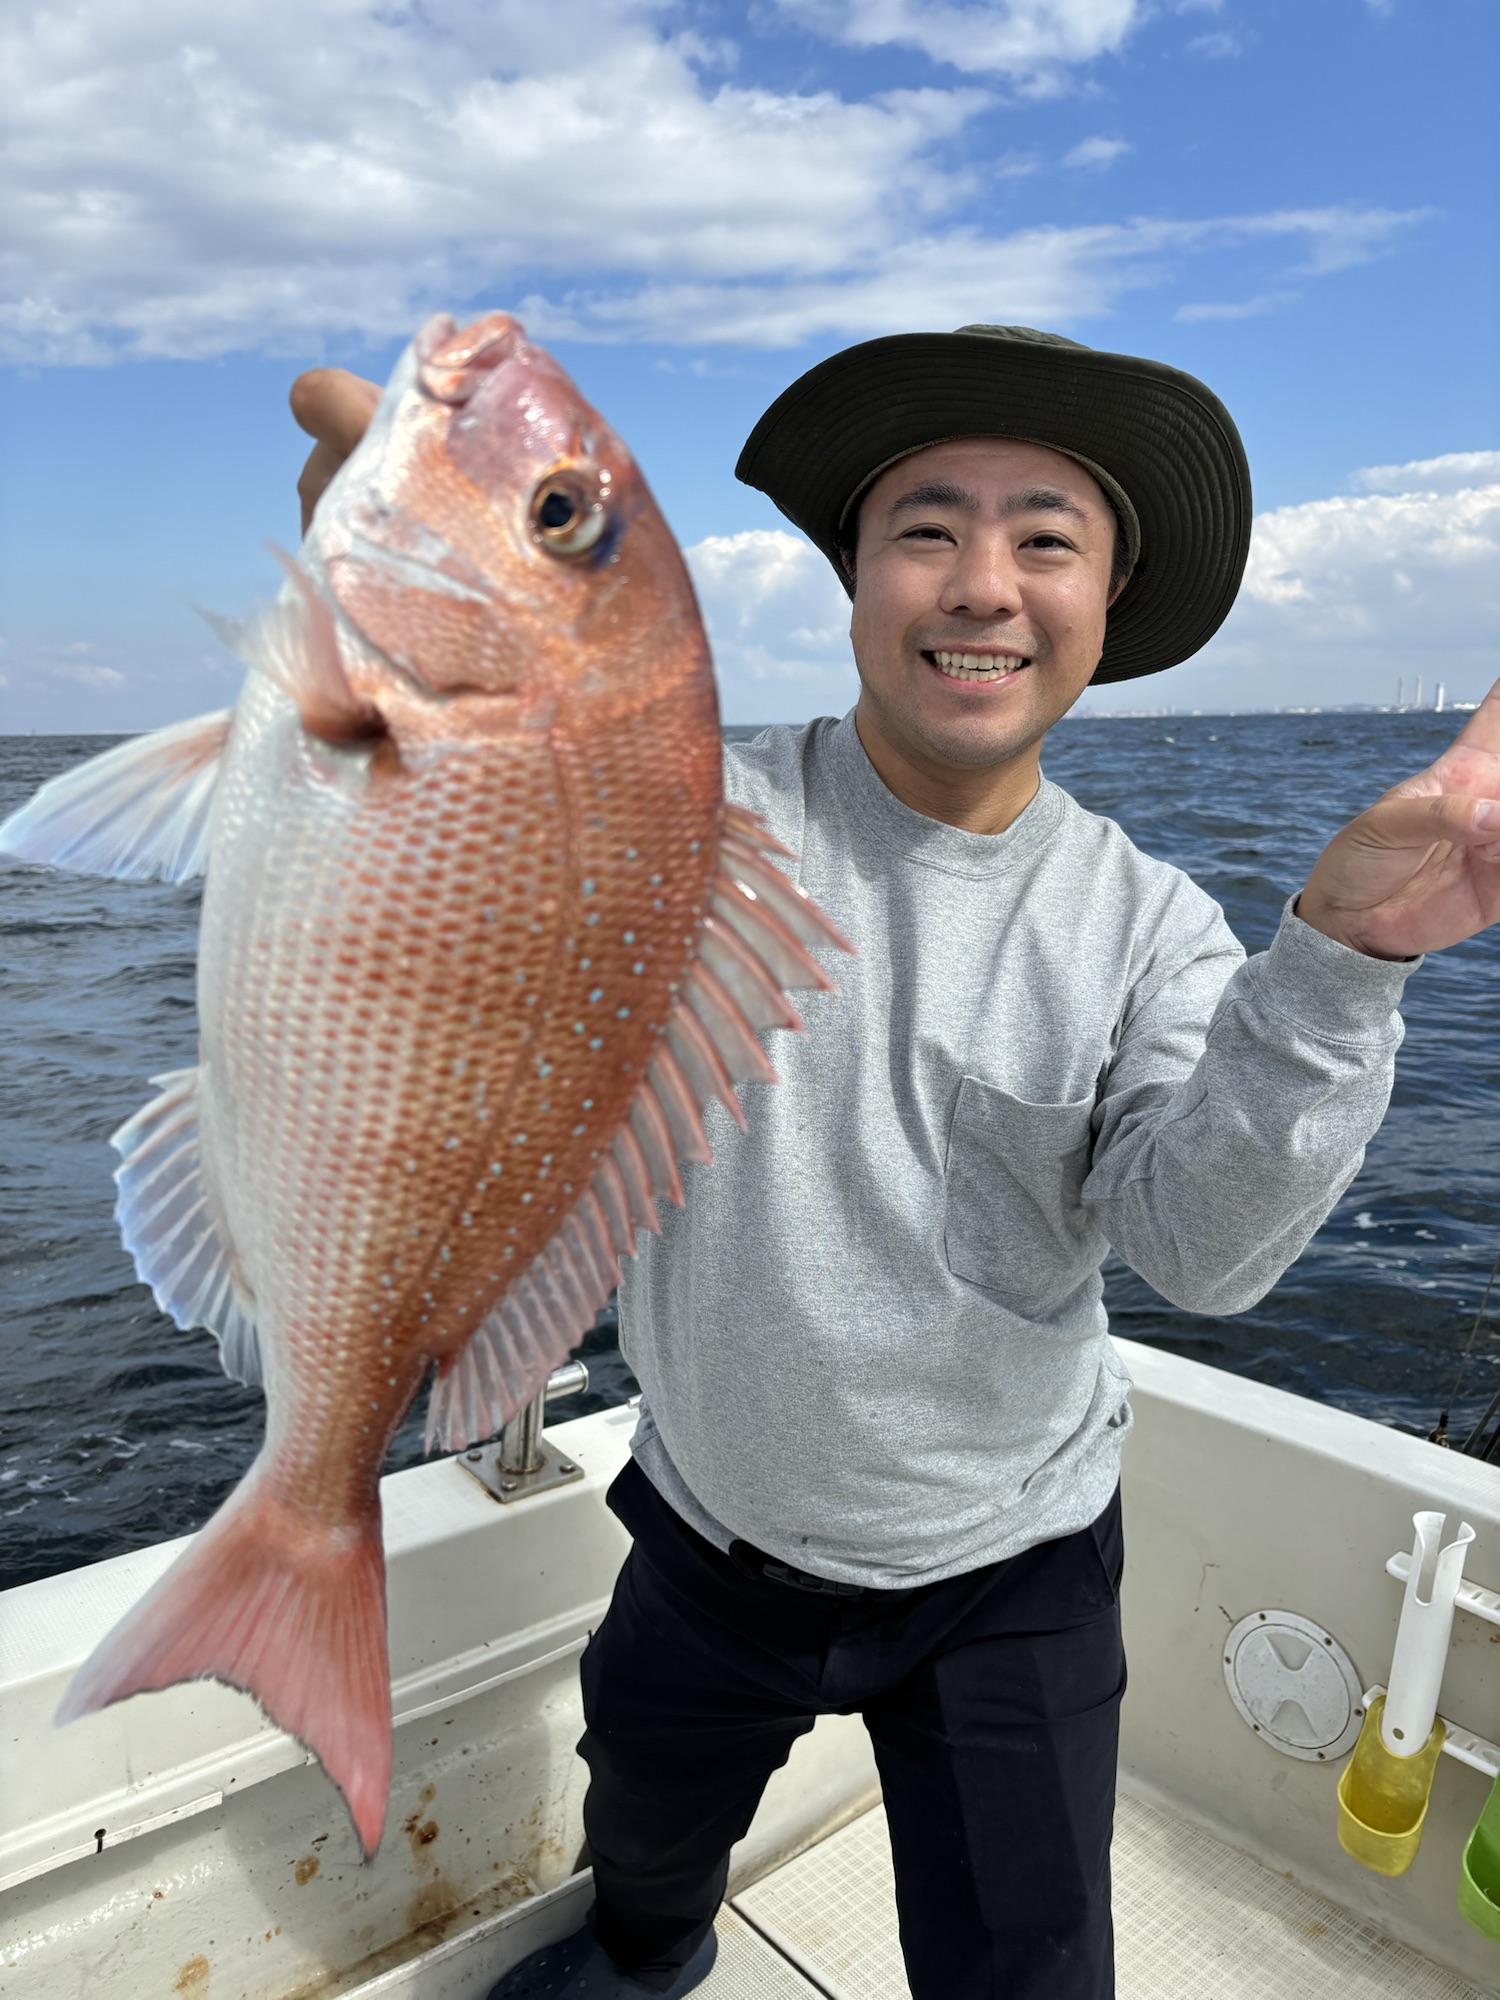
x,y
269,1600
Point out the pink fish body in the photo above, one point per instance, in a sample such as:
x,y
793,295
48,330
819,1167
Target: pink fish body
x,y
479,940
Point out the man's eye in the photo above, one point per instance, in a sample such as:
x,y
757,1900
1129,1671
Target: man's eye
x,y
927,533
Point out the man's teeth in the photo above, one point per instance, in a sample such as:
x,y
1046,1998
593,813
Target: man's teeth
x,y
978,666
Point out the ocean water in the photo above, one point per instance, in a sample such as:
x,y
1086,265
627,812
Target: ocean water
x,y
117,1429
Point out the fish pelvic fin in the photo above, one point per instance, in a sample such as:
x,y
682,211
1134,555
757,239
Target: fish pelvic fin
x,y
141,810
168,1224
755,945
278,1603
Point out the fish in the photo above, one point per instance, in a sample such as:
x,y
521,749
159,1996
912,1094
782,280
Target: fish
x,y
480,940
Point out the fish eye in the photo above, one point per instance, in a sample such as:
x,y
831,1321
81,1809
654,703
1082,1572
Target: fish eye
x,y
566,517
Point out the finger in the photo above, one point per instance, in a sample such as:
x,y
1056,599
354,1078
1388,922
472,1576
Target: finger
x,y
1418,822
334,406
323,461
1482,730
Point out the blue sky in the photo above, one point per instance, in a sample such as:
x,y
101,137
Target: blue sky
x,y
1294,199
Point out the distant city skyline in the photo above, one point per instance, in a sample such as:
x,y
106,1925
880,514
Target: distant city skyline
x,y
692,206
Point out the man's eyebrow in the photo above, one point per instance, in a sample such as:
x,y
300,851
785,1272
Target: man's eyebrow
x,y
935,493
1043,500
943,493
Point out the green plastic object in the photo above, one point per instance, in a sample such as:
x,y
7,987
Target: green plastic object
x,y
1479,1881
1383,1799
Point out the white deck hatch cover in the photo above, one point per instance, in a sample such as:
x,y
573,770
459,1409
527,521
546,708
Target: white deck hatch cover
x,y
1294,1684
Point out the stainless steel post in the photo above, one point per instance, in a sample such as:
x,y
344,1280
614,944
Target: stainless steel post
x,y
521,1440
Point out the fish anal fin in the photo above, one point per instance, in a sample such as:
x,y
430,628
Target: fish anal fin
x,y
140,810
273,1601
168,1224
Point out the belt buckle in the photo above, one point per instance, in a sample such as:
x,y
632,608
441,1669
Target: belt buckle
x,y
815,1586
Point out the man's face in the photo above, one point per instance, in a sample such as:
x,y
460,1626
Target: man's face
x,y
981,584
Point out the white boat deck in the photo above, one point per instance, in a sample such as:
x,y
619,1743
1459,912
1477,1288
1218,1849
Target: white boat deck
x,y
1193,1918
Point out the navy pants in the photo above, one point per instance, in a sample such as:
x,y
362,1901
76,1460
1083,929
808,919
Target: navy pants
x,y
992,1700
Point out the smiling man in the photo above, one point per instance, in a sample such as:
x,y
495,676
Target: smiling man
x,y
984,569
877,1463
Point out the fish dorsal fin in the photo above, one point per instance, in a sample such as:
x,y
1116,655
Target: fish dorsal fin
x,y
167,1225
142,809
753,948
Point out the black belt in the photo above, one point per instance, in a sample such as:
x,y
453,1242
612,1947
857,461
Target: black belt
x,y
755,1562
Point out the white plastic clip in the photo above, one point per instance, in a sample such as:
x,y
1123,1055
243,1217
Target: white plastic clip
x,y
1423,1636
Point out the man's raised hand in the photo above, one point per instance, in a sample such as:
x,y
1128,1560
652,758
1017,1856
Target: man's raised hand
x,y
334,407
1421,868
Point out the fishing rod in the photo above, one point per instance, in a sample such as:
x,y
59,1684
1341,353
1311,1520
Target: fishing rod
x,y
1470,1446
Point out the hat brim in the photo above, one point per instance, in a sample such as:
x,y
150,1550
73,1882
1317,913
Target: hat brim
x,y
1166,439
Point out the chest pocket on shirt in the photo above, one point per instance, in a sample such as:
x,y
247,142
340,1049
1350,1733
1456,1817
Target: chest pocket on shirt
x,y
1013,1222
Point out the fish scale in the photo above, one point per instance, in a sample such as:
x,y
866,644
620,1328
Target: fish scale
x,y
480,939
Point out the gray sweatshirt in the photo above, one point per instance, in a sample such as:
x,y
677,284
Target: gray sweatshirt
x,y
873,1342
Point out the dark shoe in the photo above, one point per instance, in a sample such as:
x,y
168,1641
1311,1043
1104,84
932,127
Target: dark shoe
x,y
579,1968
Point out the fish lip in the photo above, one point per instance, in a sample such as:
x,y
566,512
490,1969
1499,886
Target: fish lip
x,y
452,361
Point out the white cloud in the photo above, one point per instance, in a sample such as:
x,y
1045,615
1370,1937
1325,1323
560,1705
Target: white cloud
x,y
73,661
1233,309
778,623
88,674
1038,277
183,181
1216,47
1343,595
1452,473
1096,152
1029,41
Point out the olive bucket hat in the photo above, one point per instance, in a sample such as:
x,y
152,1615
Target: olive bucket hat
x,y
1161,445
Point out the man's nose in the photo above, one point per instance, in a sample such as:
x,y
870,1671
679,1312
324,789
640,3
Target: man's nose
x,y
985,580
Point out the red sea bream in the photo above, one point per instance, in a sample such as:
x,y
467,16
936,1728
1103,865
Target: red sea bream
x,y
480,938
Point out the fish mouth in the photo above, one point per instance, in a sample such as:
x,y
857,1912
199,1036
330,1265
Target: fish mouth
x,y
452,361
976,666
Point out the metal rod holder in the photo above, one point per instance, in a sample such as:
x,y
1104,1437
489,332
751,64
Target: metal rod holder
x,y
522,1462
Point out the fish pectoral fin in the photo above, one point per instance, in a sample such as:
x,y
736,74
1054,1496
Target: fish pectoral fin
x,y
138,811
168,1224
294,643
753,947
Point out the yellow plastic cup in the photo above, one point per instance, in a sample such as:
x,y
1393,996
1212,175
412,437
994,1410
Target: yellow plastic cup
x,y
1479,1881
1383,1799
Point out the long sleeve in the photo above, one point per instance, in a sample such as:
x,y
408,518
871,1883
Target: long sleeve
x,y
1209,1184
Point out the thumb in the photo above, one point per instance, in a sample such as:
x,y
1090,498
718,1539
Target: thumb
x,y
1442,816
334,406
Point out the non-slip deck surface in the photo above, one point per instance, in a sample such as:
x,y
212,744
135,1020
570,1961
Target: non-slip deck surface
x,y
748,1968
1195,1920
